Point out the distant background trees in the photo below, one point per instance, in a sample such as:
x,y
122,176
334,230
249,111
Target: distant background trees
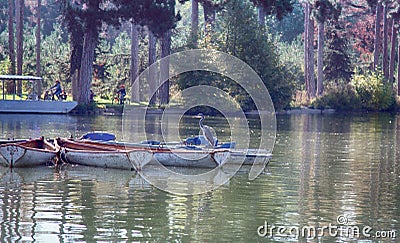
x,y
306,52
238,33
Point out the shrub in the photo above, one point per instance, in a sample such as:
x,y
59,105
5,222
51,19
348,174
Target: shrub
x,y
4,66
339,97
373,92
366,91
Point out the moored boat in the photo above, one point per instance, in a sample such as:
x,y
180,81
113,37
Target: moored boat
x,y
117,157
28,153
166,155
189,153
181,154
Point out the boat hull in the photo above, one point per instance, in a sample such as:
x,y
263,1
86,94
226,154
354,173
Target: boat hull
x,y
140,158
90,155
20,155
115,160
202,159
36,106
174,157
165,156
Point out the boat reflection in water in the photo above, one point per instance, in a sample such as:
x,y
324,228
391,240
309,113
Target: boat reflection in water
x,y
76,202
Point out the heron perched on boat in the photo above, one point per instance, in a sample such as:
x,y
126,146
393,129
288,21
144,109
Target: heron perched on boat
x,y
207,131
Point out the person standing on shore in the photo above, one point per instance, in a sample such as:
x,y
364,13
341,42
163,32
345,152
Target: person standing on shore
x,y
121,94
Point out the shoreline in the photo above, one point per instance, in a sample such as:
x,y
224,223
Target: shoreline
x,y
118,111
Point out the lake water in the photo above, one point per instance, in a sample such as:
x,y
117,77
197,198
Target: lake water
x,y
334,178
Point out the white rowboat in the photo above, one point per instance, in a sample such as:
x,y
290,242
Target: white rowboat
x,y
29,153
167,156
102,156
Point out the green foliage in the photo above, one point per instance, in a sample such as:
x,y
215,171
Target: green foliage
x,y
337,62
4,52
278,8
365,92
112,67
54,59
325,9
4,66
29,59
240,35
3,15
54,56
373,92
341,97
291,54
290,27
159,16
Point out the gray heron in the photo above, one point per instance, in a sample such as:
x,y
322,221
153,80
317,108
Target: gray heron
x,y
207,131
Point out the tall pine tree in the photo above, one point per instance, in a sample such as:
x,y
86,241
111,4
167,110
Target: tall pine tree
x,y
338,67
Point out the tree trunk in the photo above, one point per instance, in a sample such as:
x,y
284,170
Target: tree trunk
x,y
135,95
392,51
311,61
306,46
152,75
377,44
385,42
164,67
261,15
398,68
86,70
209,18
320,59
195,22
11,46
75,64
19,10
75,84
38,47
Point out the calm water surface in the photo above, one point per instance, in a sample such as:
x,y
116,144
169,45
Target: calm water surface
x,y
324,167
